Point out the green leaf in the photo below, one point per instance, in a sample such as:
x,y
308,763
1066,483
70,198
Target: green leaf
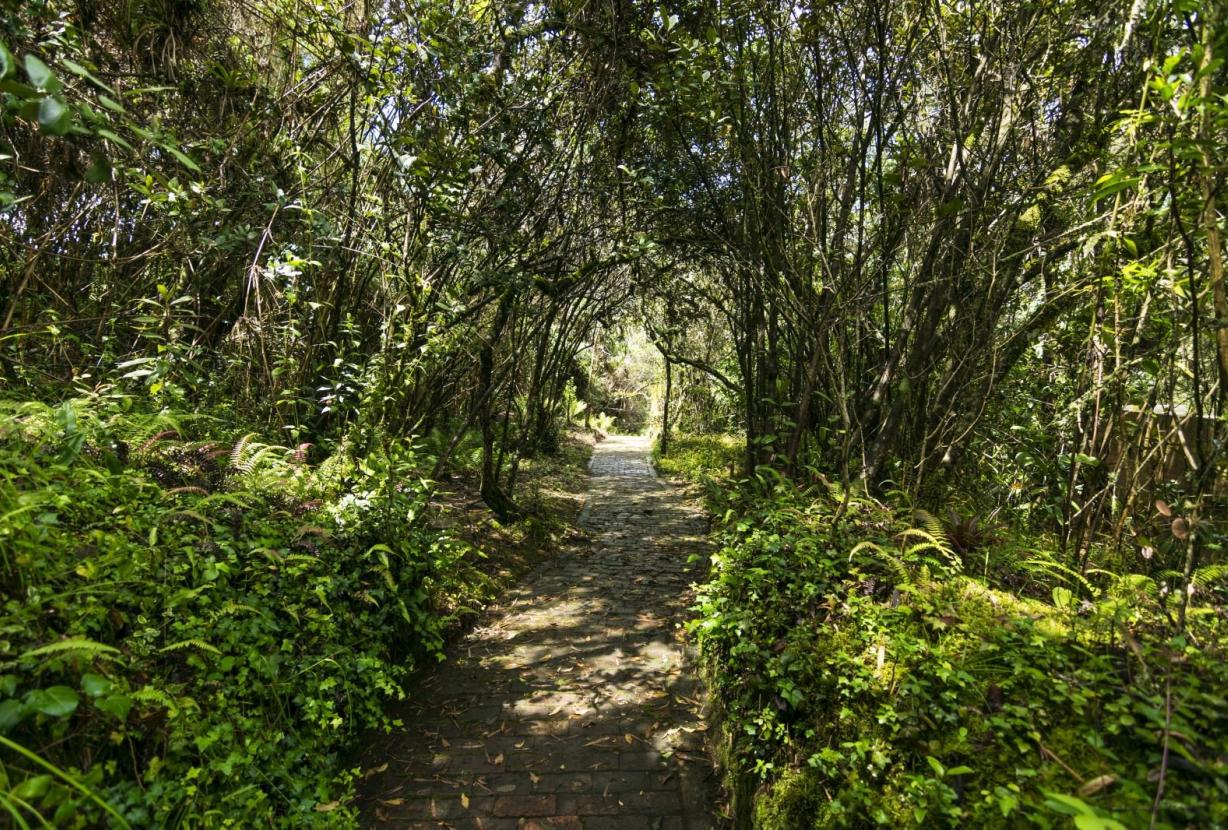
x,y
12,712
40,75
117,705
111,104
95,685
23,91
1113,183
80,71
1090,822
113,138
936,765
7,65
55,702
54,116
1067,805
183,158
33,788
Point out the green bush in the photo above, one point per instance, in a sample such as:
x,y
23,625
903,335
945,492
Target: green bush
x,y
195,625
697,457
866,678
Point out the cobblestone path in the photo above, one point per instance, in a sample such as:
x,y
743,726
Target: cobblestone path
x,y
574,705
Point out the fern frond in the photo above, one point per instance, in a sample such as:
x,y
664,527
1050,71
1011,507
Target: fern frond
x,y
79,645
239,453
189,643
893,561
149,442
1209,575
935,527
1047,565
175,491
1130,585
865,545
149,694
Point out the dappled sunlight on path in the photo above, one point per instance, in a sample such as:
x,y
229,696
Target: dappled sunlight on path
x,y
576,704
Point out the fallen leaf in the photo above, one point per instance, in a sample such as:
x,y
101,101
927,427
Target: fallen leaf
x,y
392,802
328,808
465,801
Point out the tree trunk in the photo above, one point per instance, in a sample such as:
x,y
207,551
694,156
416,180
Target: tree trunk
x,y
665,409
494,496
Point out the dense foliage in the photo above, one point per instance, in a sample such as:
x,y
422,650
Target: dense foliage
x,y
207,624
874,665
230,226
963,257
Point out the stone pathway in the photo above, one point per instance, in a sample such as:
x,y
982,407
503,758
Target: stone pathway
x,y
575,705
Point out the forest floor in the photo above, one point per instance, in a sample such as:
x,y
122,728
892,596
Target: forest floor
x,y
576,702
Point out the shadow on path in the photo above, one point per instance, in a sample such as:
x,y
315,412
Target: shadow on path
x,y
575,706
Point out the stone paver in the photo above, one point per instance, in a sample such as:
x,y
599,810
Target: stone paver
x,y
575,706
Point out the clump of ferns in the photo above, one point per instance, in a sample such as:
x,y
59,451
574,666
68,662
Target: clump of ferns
x,y
922,549
262,465
1037,574
84,426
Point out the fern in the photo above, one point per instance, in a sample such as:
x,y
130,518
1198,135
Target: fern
x,y
894,562
933,537
225,498
933,525
866,544
1133,585
79,645
149,694
152,440
175,491
1209,575
1043,564
240,454
190,643
186,514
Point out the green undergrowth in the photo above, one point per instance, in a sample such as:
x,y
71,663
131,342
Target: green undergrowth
x,y
872,668
694,457
196,624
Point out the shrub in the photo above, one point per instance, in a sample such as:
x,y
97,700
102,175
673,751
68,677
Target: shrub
x,y
866,679
195,624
